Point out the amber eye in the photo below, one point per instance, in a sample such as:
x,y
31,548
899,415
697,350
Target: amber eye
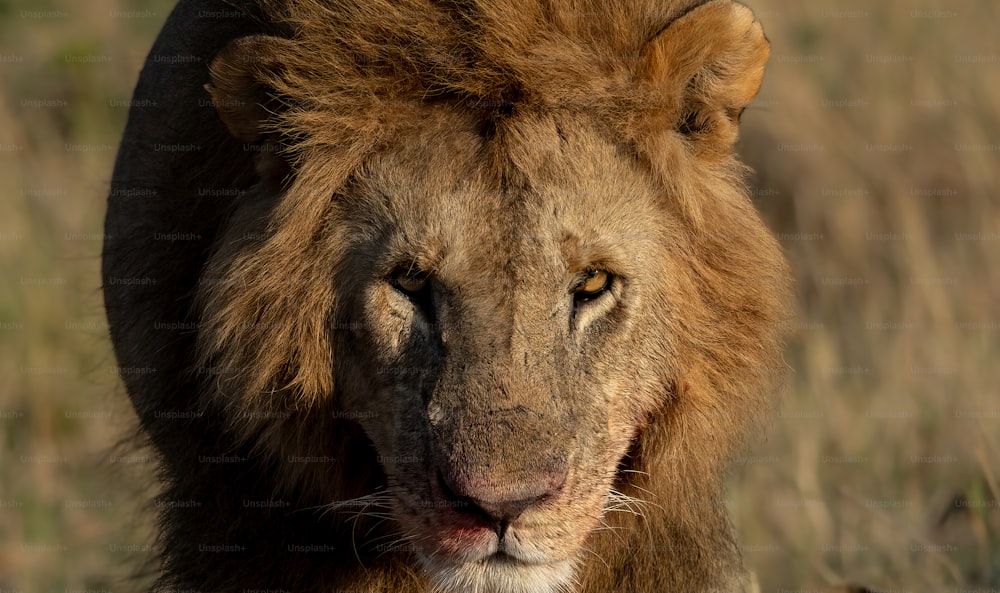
x,y
415,285
409,282
594,283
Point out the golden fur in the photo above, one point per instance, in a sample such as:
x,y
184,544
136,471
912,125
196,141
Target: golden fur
x,y
501,148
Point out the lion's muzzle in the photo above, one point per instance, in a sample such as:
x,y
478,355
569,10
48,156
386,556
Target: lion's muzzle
x,y
482,498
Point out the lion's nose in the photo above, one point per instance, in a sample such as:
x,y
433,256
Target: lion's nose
x,y
501,502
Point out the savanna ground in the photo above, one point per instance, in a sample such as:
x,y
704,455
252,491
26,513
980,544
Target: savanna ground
x,y
877,143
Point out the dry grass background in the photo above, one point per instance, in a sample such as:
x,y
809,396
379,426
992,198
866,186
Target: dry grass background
x,y
877,143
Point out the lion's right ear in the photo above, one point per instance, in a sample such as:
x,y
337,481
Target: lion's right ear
x,y
240,90
701,71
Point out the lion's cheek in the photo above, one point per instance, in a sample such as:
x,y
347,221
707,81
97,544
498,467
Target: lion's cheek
x,y
562,531
381,422
621,424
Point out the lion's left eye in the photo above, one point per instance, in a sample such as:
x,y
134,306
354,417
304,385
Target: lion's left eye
x,y
593,285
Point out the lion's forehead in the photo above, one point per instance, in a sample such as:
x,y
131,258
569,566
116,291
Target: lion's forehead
x,y
558,201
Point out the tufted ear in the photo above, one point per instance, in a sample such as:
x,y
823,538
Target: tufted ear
x,y
702,70
243,98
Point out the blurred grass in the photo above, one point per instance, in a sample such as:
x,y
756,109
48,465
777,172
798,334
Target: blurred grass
x,y
876,139
67,505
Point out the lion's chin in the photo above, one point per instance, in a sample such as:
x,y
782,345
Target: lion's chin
x,y
500,574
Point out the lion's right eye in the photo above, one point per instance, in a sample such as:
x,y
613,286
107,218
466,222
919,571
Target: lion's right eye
x,y
408,282
415,286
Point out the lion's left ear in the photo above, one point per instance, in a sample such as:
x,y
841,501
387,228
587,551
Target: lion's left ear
x,y
243,97
702,70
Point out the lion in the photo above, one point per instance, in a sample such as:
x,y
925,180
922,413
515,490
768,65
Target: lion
x,y
445,296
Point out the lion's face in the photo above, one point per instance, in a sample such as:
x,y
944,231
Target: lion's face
x,y
491,338
531,287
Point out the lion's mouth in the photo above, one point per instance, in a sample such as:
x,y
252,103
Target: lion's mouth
x,y
489,559
485,535
460,530
502,557
464,541
464,551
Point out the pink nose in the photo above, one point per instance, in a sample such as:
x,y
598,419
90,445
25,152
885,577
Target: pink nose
x,y
502,502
